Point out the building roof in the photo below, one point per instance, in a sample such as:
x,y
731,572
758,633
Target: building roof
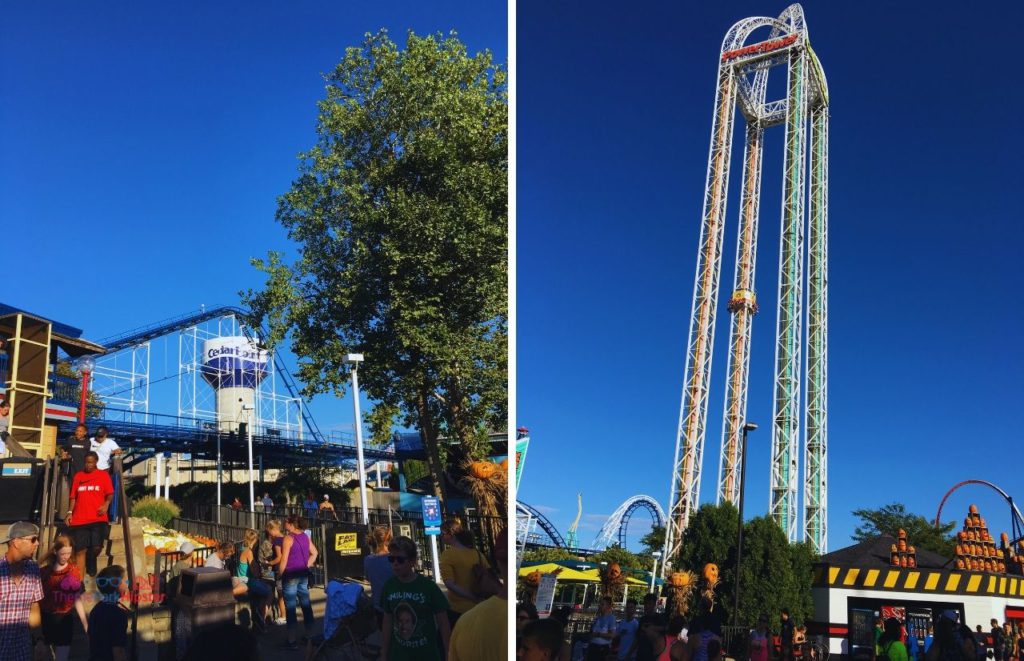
x,y
63,336
875,553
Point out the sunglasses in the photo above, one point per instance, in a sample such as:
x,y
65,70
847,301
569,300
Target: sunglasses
x,y
396,559
32,540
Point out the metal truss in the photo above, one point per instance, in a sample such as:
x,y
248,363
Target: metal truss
x,y
121,380
742,83
816,448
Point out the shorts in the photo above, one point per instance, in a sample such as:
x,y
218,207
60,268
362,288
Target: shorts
x,y
90,535
58,628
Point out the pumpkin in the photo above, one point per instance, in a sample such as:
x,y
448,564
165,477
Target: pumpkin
x,y
972,509
504,465
150,549
959,563
532,579
912,562
902,534
711,573
614,571
483,470
681,579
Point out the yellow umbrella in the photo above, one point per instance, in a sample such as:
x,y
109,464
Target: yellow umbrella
x,y
564,573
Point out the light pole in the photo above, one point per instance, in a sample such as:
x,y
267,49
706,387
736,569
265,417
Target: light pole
x,y
747,428
252,492
654,572
354,359
85,365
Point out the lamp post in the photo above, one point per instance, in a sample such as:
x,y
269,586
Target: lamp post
x,y
85,365
354,359
654,572
252,492
747,428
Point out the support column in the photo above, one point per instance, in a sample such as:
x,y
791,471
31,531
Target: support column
x,y
786,422
743,307
816,449
685,490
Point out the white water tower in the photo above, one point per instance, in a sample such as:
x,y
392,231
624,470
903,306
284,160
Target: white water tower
x,y
234,367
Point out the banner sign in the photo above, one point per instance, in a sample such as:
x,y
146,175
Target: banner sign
x,y
431,515
521,445
545,594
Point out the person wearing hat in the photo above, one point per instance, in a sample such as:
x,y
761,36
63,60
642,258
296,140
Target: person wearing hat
x,y
327,507
185,561
21,590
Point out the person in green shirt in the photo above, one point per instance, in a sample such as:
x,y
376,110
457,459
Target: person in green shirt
x,y
415,610
892,648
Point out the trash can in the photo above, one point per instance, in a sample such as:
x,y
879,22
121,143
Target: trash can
x,y
204,601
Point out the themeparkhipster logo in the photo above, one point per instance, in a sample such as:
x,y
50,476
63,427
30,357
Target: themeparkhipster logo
x,y
146,590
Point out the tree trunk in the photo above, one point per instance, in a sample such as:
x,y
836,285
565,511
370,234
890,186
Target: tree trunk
x,y
456,413
428,434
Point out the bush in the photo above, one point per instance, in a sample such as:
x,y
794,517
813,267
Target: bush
x,y
157,510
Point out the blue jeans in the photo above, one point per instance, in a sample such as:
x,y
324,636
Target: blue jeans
x,y
296,588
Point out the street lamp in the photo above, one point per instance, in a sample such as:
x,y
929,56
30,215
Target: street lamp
x,y
654,572
252,492
747,428
354,359
85,365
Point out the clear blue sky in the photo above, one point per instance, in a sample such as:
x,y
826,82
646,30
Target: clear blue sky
x,y
614,108
143,145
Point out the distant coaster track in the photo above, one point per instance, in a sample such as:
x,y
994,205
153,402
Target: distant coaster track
x,y
544,523
616,527
167,326
1016,519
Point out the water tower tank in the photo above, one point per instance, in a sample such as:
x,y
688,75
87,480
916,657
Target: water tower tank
x,y
234,367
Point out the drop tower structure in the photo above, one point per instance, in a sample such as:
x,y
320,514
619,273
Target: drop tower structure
x,y
743,85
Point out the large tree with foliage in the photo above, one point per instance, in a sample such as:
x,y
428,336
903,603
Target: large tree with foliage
x,y
774,574
890,518
400,216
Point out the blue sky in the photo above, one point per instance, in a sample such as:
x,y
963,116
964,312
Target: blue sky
x,y
614,119
143,145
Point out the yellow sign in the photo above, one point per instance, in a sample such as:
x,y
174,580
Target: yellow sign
x,y
345,543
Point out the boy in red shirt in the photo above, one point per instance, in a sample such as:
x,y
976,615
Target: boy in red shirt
x,y
91,493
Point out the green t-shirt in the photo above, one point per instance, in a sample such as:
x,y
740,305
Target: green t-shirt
x,y
412,607
894,651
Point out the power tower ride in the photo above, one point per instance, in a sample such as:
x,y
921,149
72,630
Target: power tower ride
x,y
743,82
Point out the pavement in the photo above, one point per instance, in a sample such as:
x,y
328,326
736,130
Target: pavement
x,y
155,642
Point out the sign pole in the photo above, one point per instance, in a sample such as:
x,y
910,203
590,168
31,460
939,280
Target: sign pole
x,y
437,563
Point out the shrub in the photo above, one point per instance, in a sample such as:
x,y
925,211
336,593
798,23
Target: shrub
x,y
157,510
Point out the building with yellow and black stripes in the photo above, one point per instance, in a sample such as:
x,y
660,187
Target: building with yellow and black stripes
x,y
854,586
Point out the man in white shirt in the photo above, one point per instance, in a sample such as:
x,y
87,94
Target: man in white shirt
x,y
105,447
601,631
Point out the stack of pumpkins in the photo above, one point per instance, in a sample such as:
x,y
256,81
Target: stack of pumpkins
x,y
975,548
1014,557
900,554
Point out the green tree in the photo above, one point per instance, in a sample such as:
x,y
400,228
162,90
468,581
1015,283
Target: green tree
x,y
890,518
400,216
775,575
711,538
625,558
653,541
548,555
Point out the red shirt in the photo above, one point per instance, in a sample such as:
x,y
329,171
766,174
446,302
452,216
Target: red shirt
x,y
89,491
60,589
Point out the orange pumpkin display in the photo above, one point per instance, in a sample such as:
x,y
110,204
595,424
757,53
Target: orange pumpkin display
x,y
614,571
711,573
681,579
483,470
150,549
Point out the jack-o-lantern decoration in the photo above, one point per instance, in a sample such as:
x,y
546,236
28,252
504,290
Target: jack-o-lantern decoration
x,y
681,585
613,582
483,470
711,573
972,509
710,583
504,465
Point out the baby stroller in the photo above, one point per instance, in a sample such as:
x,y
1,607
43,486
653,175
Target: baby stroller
x,y
349,621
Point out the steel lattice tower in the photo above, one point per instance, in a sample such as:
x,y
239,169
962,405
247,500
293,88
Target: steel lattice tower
x,y
742,82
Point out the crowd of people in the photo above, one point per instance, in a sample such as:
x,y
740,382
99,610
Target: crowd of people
x,y
947,639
